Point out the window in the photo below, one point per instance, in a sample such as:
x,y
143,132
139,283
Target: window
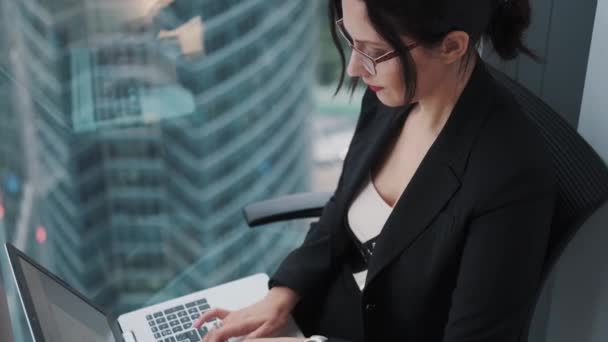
x,y
158,151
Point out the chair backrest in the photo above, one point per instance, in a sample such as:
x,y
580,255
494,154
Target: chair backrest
x,y
581,172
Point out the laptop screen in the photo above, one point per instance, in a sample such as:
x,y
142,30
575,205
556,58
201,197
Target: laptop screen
x,y
63,316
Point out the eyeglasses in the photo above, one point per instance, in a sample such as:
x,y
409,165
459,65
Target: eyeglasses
x,y
369,62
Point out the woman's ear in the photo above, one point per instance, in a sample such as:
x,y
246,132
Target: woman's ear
x,y
454,45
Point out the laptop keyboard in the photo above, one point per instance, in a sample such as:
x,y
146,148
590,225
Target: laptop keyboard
x,y
175,324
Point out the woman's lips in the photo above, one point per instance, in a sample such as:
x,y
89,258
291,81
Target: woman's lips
x,y
374,88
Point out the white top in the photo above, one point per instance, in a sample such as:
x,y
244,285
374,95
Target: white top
x,y
366,217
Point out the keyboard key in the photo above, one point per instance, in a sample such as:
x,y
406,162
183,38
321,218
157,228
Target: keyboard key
x,y
170,339
163,326
189,336
170,317
204,307
193,310
173,309
152,323
203,331
174,323
177,329
157,335
185,320
201,301
149,317
167,332
187,325
161,320
191,304
158,314
194,317
154,329
182,314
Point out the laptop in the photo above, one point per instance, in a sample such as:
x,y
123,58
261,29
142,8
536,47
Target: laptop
x,y
56,312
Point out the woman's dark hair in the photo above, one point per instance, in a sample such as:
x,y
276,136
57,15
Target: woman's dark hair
x,y
427,22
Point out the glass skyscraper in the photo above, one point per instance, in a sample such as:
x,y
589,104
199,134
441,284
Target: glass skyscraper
x,y
148,127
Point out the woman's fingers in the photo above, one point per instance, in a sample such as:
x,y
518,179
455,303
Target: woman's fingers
x,y
259,332
227,331
213,313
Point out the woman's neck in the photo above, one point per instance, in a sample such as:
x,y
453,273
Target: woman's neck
x,y
433,111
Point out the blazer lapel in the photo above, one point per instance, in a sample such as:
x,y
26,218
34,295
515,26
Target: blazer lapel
x,y
438,176
370,146
365,149
429,190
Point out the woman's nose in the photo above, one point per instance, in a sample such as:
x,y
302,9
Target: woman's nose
x,y
355,68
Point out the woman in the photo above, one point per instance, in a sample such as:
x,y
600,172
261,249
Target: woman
x,y
438,227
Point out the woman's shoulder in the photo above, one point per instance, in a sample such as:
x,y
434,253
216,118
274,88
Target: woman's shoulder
x,y
510,151
509,134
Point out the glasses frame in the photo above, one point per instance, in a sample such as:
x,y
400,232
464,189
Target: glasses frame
x,y
371,68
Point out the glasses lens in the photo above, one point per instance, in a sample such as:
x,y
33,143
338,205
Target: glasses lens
x,y
368,64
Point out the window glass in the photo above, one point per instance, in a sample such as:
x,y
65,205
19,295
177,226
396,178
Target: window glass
x,y
134,132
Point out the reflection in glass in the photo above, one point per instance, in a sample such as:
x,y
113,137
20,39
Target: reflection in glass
x,y
134,132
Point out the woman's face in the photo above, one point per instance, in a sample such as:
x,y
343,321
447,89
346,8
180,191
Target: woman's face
x,y
388,82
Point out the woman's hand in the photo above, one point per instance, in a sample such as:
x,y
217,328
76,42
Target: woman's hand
x,y
264,318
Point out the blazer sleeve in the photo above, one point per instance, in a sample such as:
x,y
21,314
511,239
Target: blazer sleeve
x,y
307,268
503,256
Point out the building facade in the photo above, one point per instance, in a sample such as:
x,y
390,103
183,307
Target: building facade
x,y
148,127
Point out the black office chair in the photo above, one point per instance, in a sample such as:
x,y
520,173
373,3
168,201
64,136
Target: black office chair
x,y
582,177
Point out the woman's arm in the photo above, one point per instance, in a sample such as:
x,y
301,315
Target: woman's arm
x,y
501,265
308,267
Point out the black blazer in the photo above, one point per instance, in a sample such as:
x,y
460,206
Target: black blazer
x,y
460,257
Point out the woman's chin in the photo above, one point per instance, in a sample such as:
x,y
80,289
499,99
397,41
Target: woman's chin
x,y
389,101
